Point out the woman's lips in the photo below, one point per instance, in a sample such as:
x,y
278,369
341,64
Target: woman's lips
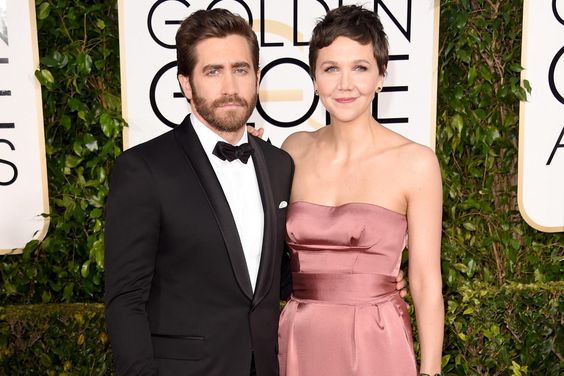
x,y
344,100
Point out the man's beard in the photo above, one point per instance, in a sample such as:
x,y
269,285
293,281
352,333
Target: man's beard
x,y
232,120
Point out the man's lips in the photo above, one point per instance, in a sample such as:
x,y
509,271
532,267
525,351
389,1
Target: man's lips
x,y
345,100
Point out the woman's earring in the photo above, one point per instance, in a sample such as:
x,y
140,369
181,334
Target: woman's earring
x,y
378,89
316,92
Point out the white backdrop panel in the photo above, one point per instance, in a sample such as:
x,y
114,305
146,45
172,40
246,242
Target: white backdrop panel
x,y
541,129
23,179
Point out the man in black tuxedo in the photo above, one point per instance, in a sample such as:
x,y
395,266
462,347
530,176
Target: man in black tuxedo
x,y
195,226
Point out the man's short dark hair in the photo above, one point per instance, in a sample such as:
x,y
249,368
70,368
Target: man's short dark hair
x,y
353,22
205,24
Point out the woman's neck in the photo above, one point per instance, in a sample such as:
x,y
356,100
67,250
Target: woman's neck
x,y
352,139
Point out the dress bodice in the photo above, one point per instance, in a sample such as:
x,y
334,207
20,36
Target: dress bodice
x,y
350,238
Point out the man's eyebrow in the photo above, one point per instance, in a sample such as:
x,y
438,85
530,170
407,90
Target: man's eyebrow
x,y
240,64
212,66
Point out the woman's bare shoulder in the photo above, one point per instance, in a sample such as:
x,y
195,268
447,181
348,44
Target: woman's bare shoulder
x,y
298,142
413,160
413,152
422,157
421,166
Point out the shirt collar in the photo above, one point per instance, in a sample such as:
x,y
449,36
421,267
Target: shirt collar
x,y
209,138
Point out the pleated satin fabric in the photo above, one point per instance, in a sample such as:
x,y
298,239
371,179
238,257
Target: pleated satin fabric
x,y
345,316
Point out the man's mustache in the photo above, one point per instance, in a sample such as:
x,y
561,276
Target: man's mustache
x,y
230,99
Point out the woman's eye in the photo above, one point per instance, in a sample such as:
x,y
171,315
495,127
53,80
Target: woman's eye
x,y
360,68
331,69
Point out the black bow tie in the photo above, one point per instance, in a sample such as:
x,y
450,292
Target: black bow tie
x,y
225,151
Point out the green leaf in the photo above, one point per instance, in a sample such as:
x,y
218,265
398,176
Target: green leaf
x,y
10,289
493,134
45,296
72,161
464,55
68,292
96,201
515,67
101,174
444,361
76,105
43,11
100,24
107,124
45,77
57,59
486,73
85,269
97,226
66,122
468,311
472,74
527,86
469,226
77,148
472,267
84,63
461,267
113,102
97,252
96,213
50,62
45,360
457,122
90,142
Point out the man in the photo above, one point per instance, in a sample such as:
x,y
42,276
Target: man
x,y
195,236
193,242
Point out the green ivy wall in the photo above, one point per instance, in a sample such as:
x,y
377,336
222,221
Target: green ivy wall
x,y
502,278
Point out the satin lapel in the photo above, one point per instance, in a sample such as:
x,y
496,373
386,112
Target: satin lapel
x,y
267,261
196,157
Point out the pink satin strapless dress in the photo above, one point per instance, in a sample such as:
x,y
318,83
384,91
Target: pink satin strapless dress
x,y
345,317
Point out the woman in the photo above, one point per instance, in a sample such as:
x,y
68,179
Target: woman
x,y
358,190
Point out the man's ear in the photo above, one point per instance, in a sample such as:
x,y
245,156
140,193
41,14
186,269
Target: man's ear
x,y
258,80
185,86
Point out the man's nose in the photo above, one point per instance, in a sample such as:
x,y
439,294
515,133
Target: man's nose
x,y
229,84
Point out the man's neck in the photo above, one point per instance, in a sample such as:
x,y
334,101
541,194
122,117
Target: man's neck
x,y
231,137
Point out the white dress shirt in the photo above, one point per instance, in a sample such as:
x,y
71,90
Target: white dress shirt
x,y
239,183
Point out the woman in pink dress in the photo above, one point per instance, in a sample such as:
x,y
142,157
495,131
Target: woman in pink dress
x,y
359,189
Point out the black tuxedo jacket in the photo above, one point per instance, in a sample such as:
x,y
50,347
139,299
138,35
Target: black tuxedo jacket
x,y
178,295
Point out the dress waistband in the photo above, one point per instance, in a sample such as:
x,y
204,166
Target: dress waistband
x,y
366,295
345,288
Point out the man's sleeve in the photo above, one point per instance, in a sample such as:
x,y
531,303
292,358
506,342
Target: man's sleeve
x,y
285,275
286,271
131,241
